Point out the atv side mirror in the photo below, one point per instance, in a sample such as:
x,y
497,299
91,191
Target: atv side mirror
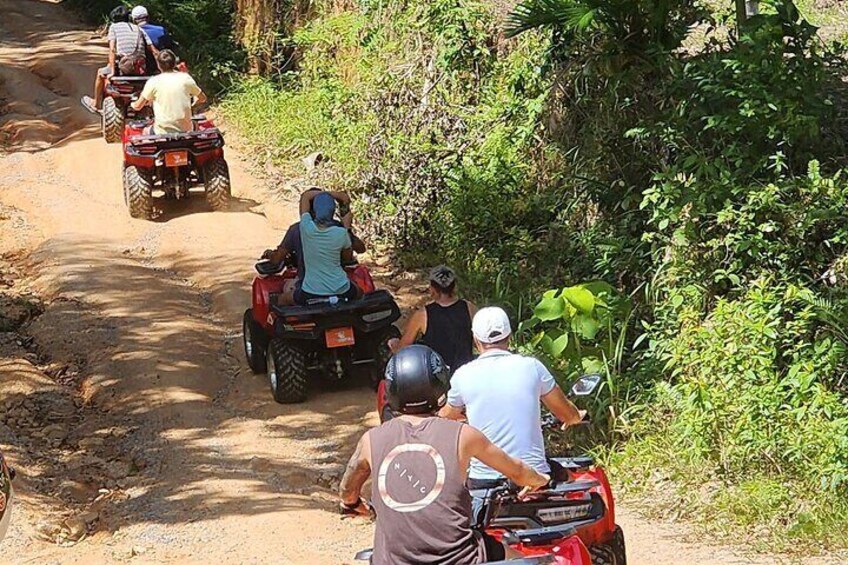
x,y
586,384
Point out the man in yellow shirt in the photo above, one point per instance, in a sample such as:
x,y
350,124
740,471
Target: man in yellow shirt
x,y
171,94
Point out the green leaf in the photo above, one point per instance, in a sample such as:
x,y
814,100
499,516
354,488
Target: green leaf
x,y
585,326
580,298
677,300
558,345
546,343
549,308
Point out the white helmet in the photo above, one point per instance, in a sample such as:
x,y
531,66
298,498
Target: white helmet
x,y
139,13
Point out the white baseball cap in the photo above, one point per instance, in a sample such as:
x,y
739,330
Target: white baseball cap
x,y
491,325
139,12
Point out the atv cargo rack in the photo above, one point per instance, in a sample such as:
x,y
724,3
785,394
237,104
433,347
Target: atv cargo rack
x,y
310,322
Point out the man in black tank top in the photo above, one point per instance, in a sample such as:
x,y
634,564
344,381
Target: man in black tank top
x,y
418,464
444,324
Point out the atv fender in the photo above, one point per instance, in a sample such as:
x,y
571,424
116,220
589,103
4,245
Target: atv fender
x,y
263,288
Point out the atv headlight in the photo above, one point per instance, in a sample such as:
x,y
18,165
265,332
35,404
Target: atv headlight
x,y
564,513
377,316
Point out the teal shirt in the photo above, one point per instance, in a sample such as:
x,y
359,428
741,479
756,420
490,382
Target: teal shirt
x,y
322,256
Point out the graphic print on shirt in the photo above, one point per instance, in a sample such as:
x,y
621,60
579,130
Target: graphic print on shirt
x,y
411,477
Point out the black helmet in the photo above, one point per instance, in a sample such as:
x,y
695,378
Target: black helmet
x,y
119,14
417,380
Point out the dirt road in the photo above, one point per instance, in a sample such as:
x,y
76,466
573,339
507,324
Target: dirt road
x,y
164,447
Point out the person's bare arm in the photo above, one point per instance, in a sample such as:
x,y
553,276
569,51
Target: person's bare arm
x,y
562,407
341,197
112,55
415,327
450,412
472,443
200,98
306,200
357,244
356,473
139,103
277,255
472,308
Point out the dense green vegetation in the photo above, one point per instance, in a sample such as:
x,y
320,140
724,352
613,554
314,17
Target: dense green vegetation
x,y
680,184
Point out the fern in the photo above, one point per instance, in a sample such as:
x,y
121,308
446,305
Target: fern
x,y
566,14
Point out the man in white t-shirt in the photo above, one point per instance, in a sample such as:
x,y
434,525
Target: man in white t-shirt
x,y
500,392
171,93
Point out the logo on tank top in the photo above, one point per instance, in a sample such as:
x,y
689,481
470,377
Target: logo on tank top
x,y
411,477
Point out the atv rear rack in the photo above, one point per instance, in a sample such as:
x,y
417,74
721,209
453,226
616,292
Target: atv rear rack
x,y
374,311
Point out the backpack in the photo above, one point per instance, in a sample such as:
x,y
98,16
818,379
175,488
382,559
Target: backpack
x,y
135,63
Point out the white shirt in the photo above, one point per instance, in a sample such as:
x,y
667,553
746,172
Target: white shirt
x,y
501,391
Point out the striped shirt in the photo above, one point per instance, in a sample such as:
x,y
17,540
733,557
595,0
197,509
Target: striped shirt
x,y
125,36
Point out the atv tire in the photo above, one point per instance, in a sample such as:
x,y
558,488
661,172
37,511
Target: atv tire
x,y
111,121
612,553
286,369
255,343
216,180
138,192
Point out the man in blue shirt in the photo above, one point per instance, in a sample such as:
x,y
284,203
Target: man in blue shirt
x,y
292,246
157,34
326,247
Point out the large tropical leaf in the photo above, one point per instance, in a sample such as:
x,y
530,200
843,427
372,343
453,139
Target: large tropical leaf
x,y
532,14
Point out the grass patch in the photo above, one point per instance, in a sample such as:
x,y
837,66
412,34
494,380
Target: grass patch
x,y
764,513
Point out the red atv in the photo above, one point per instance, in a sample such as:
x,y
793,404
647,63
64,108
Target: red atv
x,y
559,545
116,110
119,92
327,336
579,499
173,164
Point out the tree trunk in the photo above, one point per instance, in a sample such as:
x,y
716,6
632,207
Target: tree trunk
x,y
260,24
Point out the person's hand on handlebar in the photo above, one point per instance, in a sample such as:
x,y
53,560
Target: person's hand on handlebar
x,y
361,508
584,419
537,482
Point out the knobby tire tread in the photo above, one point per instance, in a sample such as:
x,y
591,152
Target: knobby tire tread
x,y
138,191
217,183
612,553
112,121
290,363
257,360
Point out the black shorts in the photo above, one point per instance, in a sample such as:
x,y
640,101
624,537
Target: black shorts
x,y
301,297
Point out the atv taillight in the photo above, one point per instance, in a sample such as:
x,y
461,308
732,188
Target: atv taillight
x,y
146,149
203,145
300,327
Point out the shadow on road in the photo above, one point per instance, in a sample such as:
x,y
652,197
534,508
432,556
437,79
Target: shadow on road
x,y
200,437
